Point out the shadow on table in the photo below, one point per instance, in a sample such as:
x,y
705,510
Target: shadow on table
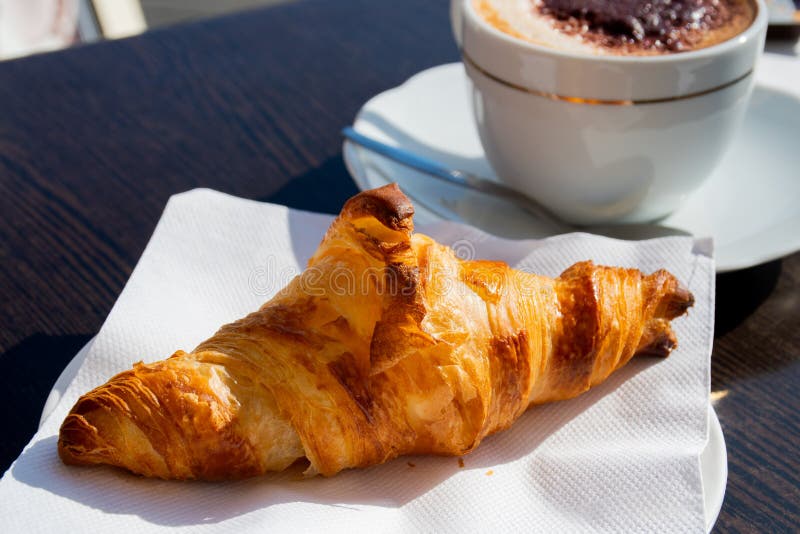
x,y
393,484
29,371
322,189
740,293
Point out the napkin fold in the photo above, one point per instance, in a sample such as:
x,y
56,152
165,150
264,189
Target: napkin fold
x,y
622,457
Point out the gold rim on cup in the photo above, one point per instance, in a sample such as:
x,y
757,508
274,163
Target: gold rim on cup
x,y
600,102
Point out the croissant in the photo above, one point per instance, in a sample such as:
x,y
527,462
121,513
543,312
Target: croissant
x,y
387,344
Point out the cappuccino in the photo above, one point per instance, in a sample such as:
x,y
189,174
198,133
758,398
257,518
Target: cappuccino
x,y
620,27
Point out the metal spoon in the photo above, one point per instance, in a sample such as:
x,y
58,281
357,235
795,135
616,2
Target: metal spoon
x,y
454,176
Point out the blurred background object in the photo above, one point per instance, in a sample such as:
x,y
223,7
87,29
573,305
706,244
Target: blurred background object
x,y
31,26
784,12
114,18
28,26
165,12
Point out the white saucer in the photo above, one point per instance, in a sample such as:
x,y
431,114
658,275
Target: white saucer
x,y
713,459
750,206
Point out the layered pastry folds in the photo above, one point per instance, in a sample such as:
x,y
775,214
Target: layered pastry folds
x,y
387,344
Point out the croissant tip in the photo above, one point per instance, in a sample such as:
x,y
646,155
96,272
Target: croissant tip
x,y
74,437
660,347
681,300
387,204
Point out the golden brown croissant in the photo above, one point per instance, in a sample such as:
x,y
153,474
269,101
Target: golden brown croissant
x,y
387,344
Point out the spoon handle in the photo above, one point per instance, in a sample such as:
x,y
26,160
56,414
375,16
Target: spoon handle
x,y
453,176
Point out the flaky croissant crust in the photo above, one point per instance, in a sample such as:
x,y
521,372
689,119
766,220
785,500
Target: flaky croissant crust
x,y
388,344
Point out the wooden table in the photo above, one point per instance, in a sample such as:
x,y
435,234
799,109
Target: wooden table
x,y
94,140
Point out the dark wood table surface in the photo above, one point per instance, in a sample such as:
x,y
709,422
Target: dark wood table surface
x,y
94,140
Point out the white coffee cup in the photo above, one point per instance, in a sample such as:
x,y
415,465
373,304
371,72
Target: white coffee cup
x,y
605,138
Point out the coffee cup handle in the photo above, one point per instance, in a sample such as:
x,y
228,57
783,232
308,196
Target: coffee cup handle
x,y
455,19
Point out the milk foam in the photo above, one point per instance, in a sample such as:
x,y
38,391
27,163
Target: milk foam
x,y
524,20
521,19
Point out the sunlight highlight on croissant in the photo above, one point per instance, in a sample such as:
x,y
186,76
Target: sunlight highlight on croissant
x,y
415,351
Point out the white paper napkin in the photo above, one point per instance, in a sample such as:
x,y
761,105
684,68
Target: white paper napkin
x,y
623,457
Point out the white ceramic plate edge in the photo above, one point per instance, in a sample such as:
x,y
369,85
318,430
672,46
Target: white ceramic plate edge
x,y
713,469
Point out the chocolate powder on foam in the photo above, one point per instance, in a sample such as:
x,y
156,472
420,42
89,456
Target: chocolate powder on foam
x,y
654,25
